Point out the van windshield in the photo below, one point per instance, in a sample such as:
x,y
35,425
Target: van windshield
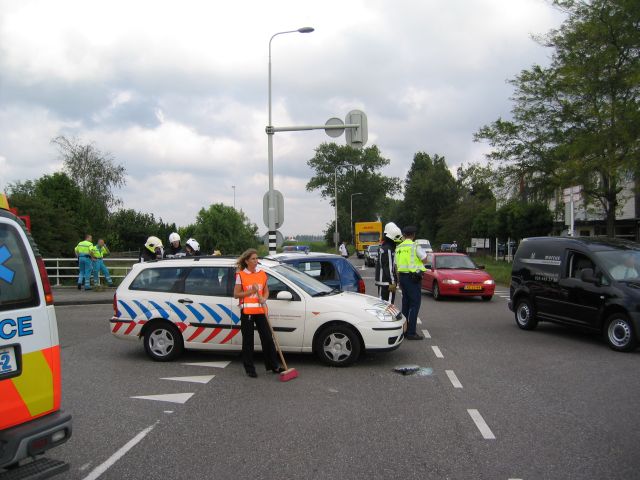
x,y
621,264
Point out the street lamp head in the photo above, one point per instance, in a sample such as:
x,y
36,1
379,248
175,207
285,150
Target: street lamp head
x,y
306,29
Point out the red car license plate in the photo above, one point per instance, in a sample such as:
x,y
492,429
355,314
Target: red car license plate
x,y
473,287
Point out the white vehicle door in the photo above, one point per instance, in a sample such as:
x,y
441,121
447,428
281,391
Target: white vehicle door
x,y
287,317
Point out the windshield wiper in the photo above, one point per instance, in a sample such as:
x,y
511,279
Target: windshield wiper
x,y
333,291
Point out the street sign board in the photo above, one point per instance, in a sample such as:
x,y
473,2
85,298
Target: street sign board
x,y
278,205
356,137
334,132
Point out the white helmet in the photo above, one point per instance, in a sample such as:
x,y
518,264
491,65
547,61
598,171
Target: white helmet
x,y
392,231
192,242
174,237
152,243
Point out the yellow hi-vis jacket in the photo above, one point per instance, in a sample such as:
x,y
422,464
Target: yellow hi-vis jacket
x,y
407,259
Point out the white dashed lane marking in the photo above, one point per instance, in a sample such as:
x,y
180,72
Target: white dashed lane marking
x,y
426,333
437,352
485,431
453,379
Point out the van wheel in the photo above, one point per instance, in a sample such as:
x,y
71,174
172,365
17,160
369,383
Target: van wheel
x,y
435,291
163,342
525,314
337,346
619,333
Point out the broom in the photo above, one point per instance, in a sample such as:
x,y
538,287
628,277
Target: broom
x,y
289,373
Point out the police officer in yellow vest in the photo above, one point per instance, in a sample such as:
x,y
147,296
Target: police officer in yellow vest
x,y
100,251
84,252
410,260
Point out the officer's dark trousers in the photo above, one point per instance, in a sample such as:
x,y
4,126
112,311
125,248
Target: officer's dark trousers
x,y
411,300
383,291
268,347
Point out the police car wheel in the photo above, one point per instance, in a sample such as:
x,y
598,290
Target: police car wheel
x,y
337,346
525,314
619,333
163,342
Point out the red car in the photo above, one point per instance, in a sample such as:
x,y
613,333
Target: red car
x,y
450,274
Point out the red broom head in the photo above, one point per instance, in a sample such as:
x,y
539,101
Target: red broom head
x,y
288,375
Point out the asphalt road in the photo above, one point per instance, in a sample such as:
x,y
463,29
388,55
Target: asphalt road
x,y
500,403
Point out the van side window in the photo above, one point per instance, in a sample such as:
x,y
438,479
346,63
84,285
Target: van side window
x,y
18,287
578,262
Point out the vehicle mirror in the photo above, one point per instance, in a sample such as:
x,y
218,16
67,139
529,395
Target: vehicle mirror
x,y
481,267
284,295
586,275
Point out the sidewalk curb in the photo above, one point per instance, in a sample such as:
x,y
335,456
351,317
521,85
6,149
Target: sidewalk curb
x,y
63,303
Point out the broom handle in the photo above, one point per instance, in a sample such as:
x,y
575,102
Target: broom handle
x,y
273,335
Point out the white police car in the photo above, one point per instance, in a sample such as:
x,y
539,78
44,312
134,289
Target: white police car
x,y
188,303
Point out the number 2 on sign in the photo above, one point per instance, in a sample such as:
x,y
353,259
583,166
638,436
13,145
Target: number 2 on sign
x,y
5,362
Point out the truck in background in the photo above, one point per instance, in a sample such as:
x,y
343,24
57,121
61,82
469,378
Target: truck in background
x,y
365,234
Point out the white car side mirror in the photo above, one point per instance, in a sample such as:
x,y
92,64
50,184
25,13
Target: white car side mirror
x,y
284,295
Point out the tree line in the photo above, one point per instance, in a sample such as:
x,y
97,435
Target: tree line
x,y
81,199
574,122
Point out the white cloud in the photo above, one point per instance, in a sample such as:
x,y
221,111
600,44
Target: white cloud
x,y
178,91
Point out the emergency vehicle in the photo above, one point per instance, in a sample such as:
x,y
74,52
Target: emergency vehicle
x,y
31,421
187,303
365,234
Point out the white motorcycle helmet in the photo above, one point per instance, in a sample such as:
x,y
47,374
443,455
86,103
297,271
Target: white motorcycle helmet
x,y
193,243
174,237
392,231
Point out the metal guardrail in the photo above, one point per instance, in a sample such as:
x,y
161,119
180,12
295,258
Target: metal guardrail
x,y
65,268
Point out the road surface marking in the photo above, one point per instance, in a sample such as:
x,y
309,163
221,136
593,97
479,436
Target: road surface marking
x,y
100,469
169,397
209,364
419,322
194,379
437,351
426,333
453,379
486,432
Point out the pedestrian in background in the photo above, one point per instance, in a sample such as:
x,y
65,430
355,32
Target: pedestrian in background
x,y
84,252
100,251
343,249
410,259
252,290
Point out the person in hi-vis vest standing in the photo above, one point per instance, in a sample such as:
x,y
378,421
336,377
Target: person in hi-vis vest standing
x,y
252,291
100,251
84,252
410,260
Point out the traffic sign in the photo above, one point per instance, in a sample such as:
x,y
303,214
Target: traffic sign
x,y
357,137
278,204
334,132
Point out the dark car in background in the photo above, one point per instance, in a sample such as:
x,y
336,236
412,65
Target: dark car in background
x,y
332,270
371,255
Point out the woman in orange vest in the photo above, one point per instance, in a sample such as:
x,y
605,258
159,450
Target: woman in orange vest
x,y
252,290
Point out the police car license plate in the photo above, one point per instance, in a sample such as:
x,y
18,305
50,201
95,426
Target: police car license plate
x,y
8,363
473,287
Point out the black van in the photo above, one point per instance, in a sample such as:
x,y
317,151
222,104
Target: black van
x,y
591,282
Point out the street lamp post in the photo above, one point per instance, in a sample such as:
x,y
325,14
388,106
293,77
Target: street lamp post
x,y
234,196
352,195
270,132
335,202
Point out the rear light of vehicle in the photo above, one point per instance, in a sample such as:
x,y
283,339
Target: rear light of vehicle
x,y
361,287
115,305
46,286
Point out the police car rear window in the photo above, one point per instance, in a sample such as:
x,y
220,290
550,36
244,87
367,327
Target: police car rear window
x,y
18,284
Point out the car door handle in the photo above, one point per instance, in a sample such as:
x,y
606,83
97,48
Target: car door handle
x,y
185,300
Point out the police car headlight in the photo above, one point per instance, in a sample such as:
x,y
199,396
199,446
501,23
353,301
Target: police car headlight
x,y
450,281
489,282
382,315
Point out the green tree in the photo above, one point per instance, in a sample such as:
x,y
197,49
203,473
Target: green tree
x,y
224,228
578,121
430,191
96,174
353,171
517,219
128,230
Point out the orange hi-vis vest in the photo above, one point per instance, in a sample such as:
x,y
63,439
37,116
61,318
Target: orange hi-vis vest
x,y
251,304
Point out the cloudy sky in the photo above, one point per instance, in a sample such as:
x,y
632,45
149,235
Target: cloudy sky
x,y
177,91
